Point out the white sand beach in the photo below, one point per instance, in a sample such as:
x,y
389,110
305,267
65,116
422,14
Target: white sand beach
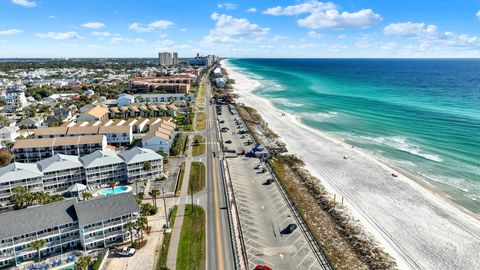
x,y
419,228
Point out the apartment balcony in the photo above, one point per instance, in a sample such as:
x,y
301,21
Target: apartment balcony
x,y
69,229
47,234
25,251
114,233
53,243
71,239
94,239
6,245
114,223
25,240
7,255
92,229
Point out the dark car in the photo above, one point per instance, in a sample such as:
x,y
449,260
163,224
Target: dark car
x,y
262,267
228,141
289,229
222,121
268,182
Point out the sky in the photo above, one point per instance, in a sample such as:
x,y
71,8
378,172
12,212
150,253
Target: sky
x,y
241,28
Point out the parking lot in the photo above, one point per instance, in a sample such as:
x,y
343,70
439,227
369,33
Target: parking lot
x,y
264,214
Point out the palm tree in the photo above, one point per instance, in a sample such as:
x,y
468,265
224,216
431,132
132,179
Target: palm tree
x,y
19,197
147,166
56,198
130,226
38,244
86,195
154,193
142,224
112,185
84,262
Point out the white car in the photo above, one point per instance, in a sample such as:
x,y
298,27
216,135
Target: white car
x,y
126,252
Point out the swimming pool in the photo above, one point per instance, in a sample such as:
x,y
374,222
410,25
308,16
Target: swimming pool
x,y
116,190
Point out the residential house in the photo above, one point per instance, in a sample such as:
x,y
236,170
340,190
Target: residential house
x,y
7,134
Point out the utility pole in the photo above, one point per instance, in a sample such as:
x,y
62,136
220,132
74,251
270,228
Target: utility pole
x,y
165,205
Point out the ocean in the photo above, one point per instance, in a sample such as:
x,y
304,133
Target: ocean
x,y
420,115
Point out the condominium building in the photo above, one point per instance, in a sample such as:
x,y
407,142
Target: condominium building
x,y
65,226
33,150
168,58
61,171
136,160
103,167
19,174
116,135
160,137
15,95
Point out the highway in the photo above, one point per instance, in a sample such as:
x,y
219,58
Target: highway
x,y
219,242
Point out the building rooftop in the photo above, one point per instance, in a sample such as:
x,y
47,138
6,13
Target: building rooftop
x,y
138,154
100,158
41,217
83,130
59,162
58,141
97,111
51,131
18,171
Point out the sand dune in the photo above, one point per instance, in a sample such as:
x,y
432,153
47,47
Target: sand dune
x,y
419,228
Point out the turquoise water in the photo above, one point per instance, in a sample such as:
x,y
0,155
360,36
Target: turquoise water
x,y
115,190
419,115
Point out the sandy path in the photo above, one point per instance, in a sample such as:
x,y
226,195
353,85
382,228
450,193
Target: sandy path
x,y
418,228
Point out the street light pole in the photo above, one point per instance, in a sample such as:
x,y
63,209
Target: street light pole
x,y
165,205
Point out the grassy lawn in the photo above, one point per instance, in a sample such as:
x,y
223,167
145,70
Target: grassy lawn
x,y
162,260
200,121
198,145
180,179
197,177
181,125
179,144
191,249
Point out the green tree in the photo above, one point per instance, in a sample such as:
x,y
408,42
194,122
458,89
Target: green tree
x,y
83,262
86,195
130,226
19,197
154,193
37,245
142,224
56,198
147,166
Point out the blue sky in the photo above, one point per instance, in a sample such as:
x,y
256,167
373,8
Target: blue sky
x,y
290,28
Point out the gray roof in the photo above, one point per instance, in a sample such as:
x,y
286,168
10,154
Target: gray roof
x,y
138,154
42,217
18,171
108,207
59,162
100,158
36,218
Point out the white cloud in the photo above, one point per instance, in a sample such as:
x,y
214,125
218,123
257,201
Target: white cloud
x,y
59,35
342,37
301,46
117,39
70,45
337,47
332,19
314,34
183,29
307,7
10,32
409,29
52,17
389,46
158,24
230,30
228,6
252,10
266,47
93,25
101,34
94,46
166,42
478,14
25,3
323,15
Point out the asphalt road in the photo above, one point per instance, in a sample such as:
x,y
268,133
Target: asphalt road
x,y
219,242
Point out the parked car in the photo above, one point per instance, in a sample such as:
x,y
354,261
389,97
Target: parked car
x,y
262,267
228,141
225,129
126,252
222,121
289,229
268,182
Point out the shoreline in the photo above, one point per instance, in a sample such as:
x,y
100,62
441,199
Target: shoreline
x,y
433,202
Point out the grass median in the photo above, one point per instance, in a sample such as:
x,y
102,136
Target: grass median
x,y
180,178
191,248
198,145
200,121
162,259
197,177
